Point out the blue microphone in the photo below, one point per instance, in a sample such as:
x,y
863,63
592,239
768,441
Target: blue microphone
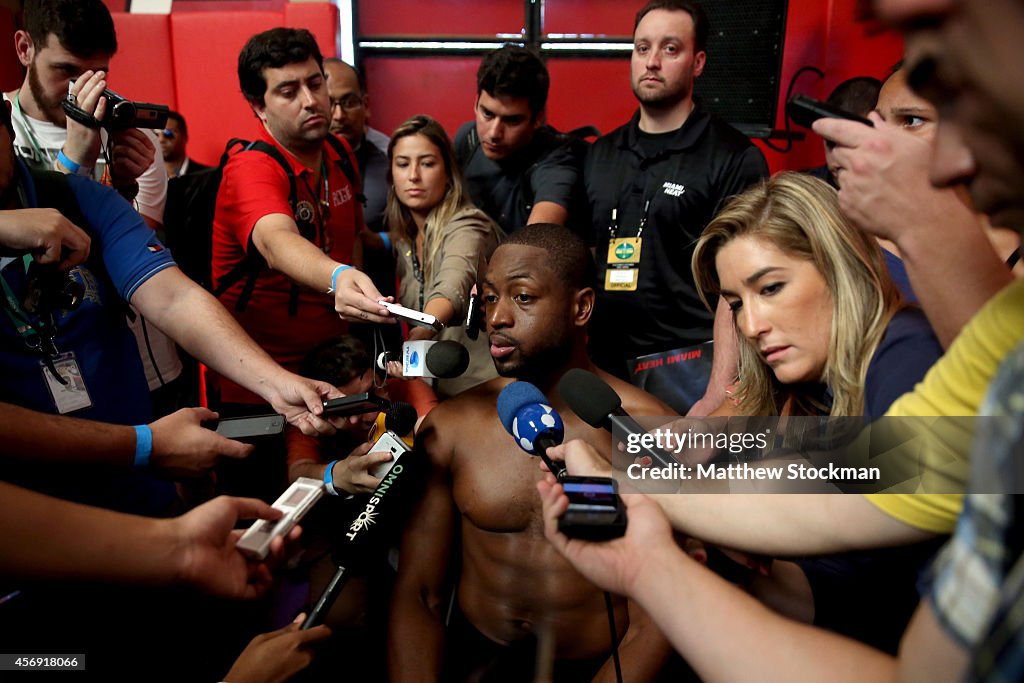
x,y
536,427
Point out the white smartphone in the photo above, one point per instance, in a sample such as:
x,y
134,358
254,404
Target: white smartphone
x,y
413,317
388,442
295,502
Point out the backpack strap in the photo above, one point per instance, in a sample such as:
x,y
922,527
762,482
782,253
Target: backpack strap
x,y
345,156
253,264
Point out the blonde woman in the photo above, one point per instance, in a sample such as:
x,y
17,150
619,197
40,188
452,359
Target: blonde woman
x,y
439,238
823,329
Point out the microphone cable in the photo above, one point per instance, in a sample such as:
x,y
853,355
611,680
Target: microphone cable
x,y
615,641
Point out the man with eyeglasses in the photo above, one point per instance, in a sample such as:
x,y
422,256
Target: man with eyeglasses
x,y
173,143
350,113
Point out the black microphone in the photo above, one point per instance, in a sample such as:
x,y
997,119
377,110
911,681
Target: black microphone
x,y
400,417
526,415
447,359
596,403
384,506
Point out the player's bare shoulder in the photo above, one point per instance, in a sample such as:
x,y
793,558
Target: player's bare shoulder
x,y
465,418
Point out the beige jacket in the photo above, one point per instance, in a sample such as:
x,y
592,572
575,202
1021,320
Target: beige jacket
x,y
452,256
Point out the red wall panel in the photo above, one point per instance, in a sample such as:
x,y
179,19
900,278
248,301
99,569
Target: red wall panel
x,y
590,92
227,5
11,74
206,47
440,18
443,87
586,16
320,18
143,68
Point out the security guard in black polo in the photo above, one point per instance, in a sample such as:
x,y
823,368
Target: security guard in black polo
x,y
653,184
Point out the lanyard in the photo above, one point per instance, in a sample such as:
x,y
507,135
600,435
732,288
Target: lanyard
x,y
613,227
417,270
38,336
28,128
321,205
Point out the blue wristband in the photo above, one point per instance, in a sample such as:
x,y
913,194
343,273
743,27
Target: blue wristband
x,y
329,478
143,446
386,239
334,277
67,163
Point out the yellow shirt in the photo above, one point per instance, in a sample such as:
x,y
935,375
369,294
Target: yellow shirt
x,y
955,386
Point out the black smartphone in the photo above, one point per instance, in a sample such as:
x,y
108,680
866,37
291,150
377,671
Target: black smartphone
x,y
356,404
251,428
595,511
804,111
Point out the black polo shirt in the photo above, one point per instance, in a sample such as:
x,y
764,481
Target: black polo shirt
x,y
686,175
546,170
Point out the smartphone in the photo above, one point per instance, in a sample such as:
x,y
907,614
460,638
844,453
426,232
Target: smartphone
x,y
805,111
413,317
595,511
391,443
251,428
295,502
356,404
593,497
474,317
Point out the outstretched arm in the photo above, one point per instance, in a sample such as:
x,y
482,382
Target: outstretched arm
x,y
204,328
49,538
724,633
182,447
777,525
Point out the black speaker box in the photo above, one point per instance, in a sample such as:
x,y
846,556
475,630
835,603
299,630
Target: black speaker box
x,y
741,80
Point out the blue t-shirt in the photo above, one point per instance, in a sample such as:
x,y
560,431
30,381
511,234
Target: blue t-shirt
x,y
124,254
869,595
903,357
898,274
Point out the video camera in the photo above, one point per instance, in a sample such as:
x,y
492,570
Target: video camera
x,y
122,113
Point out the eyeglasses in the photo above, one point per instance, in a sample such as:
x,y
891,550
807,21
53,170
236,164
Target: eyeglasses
x,y
349,102
168,133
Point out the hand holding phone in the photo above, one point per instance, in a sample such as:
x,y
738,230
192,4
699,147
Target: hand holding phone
x,y
389,442
250,429
295,502
355,404
804,111
595,511
413,317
